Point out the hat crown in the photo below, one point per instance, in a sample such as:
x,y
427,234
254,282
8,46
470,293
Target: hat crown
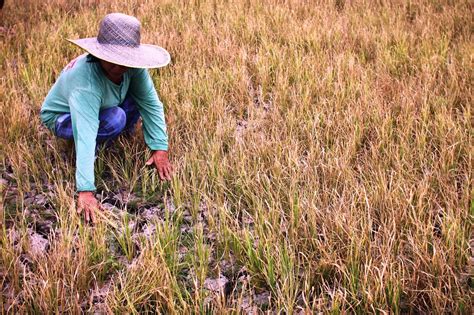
x,y
119,29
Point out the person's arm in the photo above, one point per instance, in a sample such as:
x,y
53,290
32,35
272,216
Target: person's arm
x,y
85,107
150,107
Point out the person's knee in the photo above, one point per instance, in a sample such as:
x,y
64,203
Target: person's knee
x,y
113,121
63,127
118,121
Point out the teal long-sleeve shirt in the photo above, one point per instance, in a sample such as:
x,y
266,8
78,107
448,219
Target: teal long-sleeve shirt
x,y
82,90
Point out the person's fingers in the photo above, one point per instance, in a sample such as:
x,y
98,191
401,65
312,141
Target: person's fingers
x,y
86,212
165,171
150,161
93,214
161,172
168,172
79,207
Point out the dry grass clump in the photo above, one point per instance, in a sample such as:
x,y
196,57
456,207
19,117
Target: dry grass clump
x,y
323,153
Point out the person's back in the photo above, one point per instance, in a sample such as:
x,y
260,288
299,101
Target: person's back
x,y
76,75
83,77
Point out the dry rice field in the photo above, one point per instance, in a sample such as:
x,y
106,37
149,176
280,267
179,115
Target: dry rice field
x,y
323,154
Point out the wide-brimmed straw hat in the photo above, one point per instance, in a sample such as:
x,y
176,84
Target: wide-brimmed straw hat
x,y
118,42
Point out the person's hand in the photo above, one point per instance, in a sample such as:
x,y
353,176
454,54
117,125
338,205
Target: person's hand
x,y
87,202
160,160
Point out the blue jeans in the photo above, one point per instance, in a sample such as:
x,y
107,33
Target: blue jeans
x,y
112,122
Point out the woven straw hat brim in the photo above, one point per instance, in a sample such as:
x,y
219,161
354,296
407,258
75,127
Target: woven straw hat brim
x,y
144,56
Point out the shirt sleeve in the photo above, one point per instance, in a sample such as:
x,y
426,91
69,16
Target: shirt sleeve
x,y
151,109
84,107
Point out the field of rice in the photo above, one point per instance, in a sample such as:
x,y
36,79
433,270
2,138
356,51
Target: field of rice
x,y
323,155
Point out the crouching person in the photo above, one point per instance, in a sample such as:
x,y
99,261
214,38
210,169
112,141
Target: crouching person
x,y
102,94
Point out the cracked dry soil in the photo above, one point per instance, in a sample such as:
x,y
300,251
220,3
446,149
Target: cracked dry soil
x,y
143,216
